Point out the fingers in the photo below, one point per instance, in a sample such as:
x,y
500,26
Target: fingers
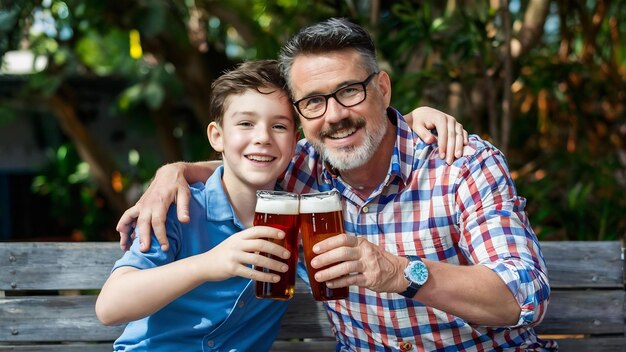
x,y
340,270
256,275
182,204
263,239
257,246
333,256
150,211
260,262
335,242
451,136
422,120
263,232
460,141
424,133
365,265
452,139
356,279
124,241
339,253
144,224
443,135
157,221
125,226
267,247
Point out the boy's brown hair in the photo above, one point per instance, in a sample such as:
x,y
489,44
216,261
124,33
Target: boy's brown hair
x,y
260,75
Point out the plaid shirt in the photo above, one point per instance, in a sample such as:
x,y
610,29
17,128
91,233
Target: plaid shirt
x,y
465,213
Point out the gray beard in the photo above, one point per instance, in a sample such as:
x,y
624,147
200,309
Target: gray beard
x,y
352,157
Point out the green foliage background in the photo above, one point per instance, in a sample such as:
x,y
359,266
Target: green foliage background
x,y
556,106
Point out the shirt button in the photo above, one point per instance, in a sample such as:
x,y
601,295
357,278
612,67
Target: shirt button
x,y
240,304
406,346
365,209
210,343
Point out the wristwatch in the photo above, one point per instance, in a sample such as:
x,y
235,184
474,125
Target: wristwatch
x,y
416,273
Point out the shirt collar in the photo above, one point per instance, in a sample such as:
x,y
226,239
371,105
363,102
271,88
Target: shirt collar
x,y
404,150
217,204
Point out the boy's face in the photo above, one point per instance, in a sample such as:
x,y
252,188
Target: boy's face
x,y
257,138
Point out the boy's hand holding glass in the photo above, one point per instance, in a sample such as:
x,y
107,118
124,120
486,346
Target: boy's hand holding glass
x,y
235,255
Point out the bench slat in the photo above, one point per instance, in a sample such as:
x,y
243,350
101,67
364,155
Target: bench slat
x,y
593,264
598,313
78,347
595,344
584,312
53,318
62,265
303,346
56,265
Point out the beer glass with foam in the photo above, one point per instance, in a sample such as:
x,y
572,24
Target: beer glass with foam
x,y
320,218
279,210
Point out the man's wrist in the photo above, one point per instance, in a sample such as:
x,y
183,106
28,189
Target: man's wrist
x,y
416,274
402,282
196,172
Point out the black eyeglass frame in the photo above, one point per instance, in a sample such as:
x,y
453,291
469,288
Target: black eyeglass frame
x,y
363,84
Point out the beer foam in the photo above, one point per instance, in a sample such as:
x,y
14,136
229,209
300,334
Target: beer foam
x,y
323,203
287,206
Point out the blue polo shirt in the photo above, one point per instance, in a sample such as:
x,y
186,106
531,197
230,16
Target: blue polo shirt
x,y
215,316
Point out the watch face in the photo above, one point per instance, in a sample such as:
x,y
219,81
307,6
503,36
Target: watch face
x,y
417,272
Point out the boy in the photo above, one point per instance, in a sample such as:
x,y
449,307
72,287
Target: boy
x,y
200,292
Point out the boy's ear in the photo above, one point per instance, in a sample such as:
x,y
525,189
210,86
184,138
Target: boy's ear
x,y
216,137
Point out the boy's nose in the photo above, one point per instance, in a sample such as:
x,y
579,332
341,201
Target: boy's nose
x,y
262,136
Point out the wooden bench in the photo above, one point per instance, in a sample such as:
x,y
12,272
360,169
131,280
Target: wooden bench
x,y
48,291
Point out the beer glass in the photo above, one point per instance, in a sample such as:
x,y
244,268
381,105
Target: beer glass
x,y
320,218
279,210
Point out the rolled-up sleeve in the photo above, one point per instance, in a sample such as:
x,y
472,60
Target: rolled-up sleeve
x,y
496,232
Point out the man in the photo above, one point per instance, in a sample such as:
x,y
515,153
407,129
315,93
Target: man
x,y
438,256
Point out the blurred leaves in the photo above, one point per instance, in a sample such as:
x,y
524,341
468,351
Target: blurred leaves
x,y
568,118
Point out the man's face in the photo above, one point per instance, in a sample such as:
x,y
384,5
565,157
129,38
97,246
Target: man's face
x,y
346,137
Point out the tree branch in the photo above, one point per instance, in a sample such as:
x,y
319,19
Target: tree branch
x,y
100,166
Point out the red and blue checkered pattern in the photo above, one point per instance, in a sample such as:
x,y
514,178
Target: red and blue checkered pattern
x,y
466,213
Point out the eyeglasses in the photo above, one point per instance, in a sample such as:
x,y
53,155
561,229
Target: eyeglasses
x,y
314,107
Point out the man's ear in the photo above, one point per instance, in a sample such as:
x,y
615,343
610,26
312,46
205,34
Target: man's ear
x,y
296,138
216,136
384,84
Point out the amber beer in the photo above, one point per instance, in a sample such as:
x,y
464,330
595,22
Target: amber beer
x,y
279,210
320,218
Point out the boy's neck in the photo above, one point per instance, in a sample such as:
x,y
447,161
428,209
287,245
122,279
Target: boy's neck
x,y
242,198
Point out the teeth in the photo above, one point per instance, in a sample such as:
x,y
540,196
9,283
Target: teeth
x,y
260,158
343,133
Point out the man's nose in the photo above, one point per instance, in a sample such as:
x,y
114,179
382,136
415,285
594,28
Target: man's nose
x,y
335,112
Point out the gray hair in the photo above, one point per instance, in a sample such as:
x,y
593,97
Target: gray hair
x,y
334,34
